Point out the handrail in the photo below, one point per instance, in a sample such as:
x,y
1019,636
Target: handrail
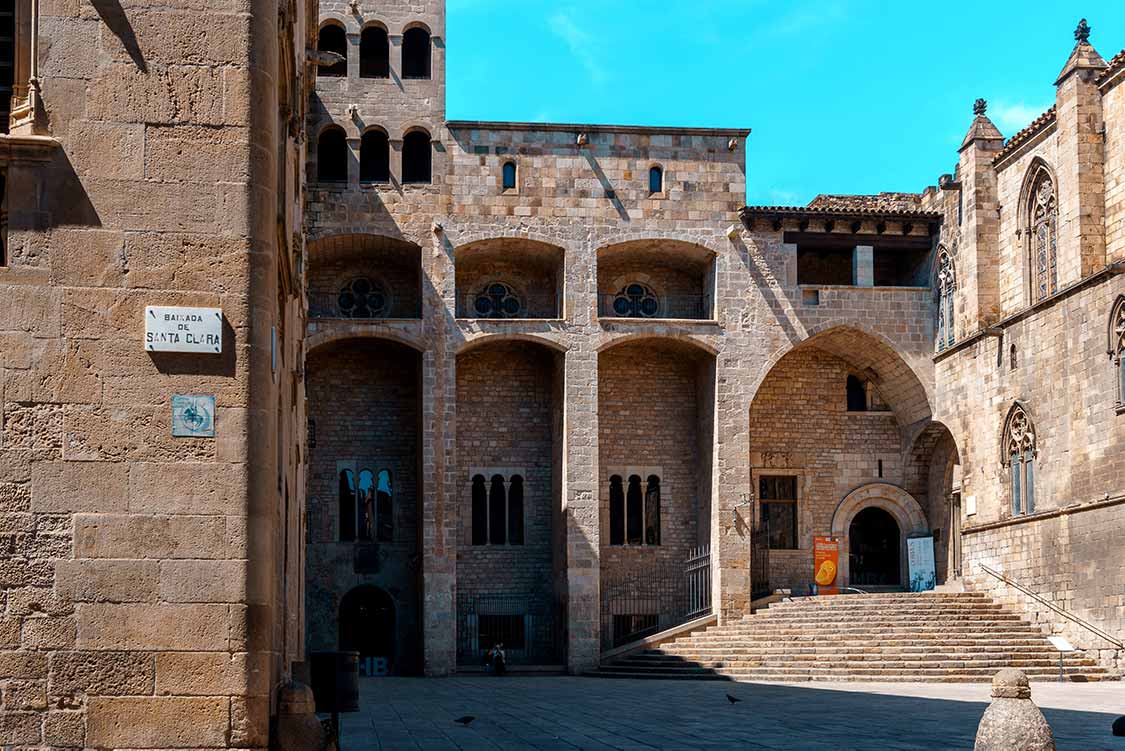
x,y
1065,614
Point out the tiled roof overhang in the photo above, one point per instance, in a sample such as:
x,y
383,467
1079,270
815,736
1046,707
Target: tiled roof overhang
x,y
1014,143
776,214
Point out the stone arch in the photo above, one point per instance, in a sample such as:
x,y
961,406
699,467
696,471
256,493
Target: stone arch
x,y
871,353
322,340
395,262
681,273
1115,327
367,623
686,340
906,511
484,340
532,266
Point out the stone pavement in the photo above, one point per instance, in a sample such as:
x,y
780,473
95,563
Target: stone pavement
x,y
591,713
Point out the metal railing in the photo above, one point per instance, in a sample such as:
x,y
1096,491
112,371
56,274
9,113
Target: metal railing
x,y
693,307
324,305
535,305
653,597
529,626
1064,613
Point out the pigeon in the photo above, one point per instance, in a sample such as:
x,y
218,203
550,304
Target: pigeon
x,y
733,699
466,720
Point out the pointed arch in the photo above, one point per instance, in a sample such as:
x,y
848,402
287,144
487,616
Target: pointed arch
x,y
1039,222
945,284
1018,452
1115,336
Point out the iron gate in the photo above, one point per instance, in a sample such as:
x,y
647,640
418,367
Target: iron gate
x,y
528,626
760,561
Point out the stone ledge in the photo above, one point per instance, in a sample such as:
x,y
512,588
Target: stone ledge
x,y
15,149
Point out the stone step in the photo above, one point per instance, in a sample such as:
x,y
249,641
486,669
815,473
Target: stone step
x,y
1085,676
858,649
985,671
937,661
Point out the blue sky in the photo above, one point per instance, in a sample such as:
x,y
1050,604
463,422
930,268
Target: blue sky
x,y
843,96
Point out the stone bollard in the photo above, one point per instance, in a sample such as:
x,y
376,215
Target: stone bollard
x,y
1012,722
298,729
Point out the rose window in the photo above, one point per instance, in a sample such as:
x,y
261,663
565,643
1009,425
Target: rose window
x,y
498,300
636,300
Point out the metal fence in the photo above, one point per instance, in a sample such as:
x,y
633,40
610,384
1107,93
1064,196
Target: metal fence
x,y
533,305
323,305
694,307
648,599
529,626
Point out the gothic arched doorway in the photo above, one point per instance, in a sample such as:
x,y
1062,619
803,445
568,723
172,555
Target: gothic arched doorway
x,y
367,626
874,556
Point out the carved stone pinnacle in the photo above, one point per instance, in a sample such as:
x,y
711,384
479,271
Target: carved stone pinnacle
x,y
1082,33
980,107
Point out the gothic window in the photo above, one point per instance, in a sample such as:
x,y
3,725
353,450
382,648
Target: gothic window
x,y
362,298
1043,217
777,497
636,300
417,157
332,156
374,53
333,39
1013,358
498,510
655,180
416,53
944,285
634,510
375,157
1019,453
365,503
857,394
1117,346
509,176
497,300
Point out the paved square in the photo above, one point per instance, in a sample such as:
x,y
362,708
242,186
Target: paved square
x,y
592,713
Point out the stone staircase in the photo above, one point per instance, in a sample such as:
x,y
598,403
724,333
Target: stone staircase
x,y
931,637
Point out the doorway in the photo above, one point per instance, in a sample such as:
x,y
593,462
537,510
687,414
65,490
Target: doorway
x,y
876,549
367,626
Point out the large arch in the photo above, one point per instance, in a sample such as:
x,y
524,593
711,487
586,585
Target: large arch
x,y
391,264
367,623
676,275
533,270
902,506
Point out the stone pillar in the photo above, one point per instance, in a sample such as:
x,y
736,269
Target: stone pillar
x,y
978,273
790,251
354,145
1012,722
581,509
1081,165
863,266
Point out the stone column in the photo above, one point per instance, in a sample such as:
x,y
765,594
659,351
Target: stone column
x,y
978,272
863,266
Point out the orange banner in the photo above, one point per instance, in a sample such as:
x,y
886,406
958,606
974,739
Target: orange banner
x,y
826,564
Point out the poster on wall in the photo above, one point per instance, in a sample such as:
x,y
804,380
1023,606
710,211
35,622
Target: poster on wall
x,y
920,558
826,565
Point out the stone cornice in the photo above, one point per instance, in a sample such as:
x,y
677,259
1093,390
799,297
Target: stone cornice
x,y
16,149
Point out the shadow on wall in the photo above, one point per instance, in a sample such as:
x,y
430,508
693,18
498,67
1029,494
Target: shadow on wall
x,y
44,198
115,19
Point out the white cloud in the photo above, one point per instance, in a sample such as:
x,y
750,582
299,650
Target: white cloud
x,y
1012,117
582,44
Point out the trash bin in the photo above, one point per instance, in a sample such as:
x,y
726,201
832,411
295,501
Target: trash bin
x,y
335,681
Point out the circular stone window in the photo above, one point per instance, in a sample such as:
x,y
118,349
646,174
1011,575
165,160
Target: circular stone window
x,y
636,300
498,300
362,298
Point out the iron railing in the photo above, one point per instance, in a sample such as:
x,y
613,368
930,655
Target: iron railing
x,y
533,305
694,307
646,599
324,305
528,625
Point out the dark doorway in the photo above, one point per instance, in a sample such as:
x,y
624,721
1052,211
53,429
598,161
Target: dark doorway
x,y
874,557
367,625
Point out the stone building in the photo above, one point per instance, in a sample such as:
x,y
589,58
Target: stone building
x,y
485,382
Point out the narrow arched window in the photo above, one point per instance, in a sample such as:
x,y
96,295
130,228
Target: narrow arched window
x,y
332,156
1019,453
944,286
375,157
332,39
616,511
365,501
346,500
417,157
497,516
515,510
416,53
1043,219
857,394
384,507
1013,358
509,176
1117,346
652,511
374,53
655,180
634,512
480,511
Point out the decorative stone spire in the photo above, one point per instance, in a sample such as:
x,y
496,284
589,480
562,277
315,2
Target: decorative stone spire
x,y
1082,33
982,128
1084,56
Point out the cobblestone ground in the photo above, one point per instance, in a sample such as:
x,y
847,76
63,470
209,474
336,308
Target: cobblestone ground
x,y
593,713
